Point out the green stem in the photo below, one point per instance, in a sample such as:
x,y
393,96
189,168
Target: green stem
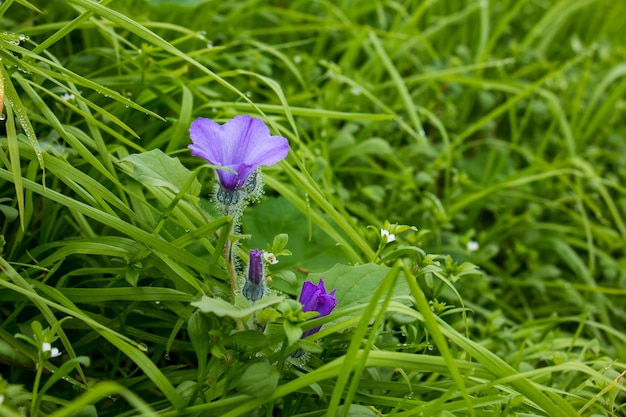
x,y
230,265
34,407
376,256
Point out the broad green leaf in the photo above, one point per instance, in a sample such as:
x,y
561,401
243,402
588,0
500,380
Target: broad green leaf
x,y
259,380
157,169
356,284
311,249
223,308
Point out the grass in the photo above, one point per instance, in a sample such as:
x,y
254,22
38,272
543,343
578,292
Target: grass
x,y
487,136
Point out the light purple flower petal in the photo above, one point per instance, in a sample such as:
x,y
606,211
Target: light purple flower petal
x,y
241,144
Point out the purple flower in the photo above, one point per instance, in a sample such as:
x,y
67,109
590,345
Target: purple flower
x,y
314,298
254,288
241,144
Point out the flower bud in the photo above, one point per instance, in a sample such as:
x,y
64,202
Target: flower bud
x,y
254,287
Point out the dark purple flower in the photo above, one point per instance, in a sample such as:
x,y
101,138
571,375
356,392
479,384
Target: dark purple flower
x,y
314,298
241,144
254,288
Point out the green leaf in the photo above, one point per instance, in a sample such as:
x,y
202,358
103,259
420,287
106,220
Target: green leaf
x,y
267,316
9,212
259,380
311,249
256,340
371,146
157,169
181,3
198,328
356,410
223,308
293,332
280,242
356,284
62,372
131,275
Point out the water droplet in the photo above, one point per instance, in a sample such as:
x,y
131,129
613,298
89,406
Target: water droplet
x,y
143,347
167,356
3,117
297,59
430,347
209,45
22,37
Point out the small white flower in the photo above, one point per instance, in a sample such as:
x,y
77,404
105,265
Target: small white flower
x,y
47,347
270,258
388,237
67,97
472,246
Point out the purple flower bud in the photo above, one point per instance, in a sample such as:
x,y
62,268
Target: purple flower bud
x,y
254,288
241,144
255,267
314,298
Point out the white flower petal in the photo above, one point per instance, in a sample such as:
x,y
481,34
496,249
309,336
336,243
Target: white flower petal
x,y
388,237
472,246
270,258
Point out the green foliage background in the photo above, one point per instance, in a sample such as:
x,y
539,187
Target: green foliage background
x,y
496,122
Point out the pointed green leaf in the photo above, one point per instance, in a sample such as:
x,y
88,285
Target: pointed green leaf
x,y
157,169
